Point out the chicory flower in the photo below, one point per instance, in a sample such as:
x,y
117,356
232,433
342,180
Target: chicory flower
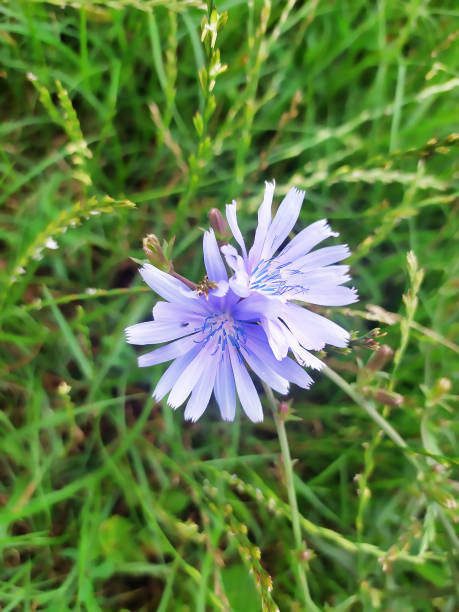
x,y
211,342
276,276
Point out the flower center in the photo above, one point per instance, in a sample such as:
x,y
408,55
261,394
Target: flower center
x,y
221,329
268,278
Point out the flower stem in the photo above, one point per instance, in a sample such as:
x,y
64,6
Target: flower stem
x,y
287,461
368,407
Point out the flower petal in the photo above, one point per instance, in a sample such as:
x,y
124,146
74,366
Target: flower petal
x,y
232,256
169,377
266,373
213,261
328,275
165,285
313,330
231,217
248,395
287,368
221,290
303,356
191,310
200,396
256,305
189,378
239,283
153,332
283,222
275,332
322,257
306,240
167,352
264,221
329,296
224,389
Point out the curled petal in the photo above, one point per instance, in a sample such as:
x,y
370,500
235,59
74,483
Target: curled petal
x,y
277,338
239,283
212,258
231,217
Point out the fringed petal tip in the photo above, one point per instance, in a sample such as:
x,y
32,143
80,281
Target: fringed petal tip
x,y
131,334
227,418
231,217
213,262
300,193
191,417
173,405
311,361
355,292
328,230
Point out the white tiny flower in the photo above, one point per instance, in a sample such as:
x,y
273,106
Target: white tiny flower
x,y
38,255
64,388
51,243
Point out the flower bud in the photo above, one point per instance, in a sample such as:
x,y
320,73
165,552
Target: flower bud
x,y
440,388
154,251
443,385
379,359
284,408
388,397
217,222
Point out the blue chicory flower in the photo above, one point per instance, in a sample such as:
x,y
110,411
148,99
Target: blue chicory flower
x,y
212,343
274,280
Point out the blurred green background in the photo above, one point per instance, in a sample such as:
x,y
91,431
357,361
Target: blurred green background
x,y
118,120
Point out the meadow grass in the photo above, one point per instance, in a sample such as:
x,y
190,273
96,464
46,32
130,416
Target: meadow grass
x,y
119,121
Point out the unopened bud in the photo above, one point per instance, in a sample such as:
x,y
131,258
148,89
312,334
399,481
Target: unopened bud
x,y
284,408
440,388
379,359
383,396
388,397
217,222
443,385
152,247
155,253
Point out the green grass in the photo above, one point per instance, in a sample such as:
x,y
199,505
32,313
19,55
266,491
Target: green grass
x,y
111,502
